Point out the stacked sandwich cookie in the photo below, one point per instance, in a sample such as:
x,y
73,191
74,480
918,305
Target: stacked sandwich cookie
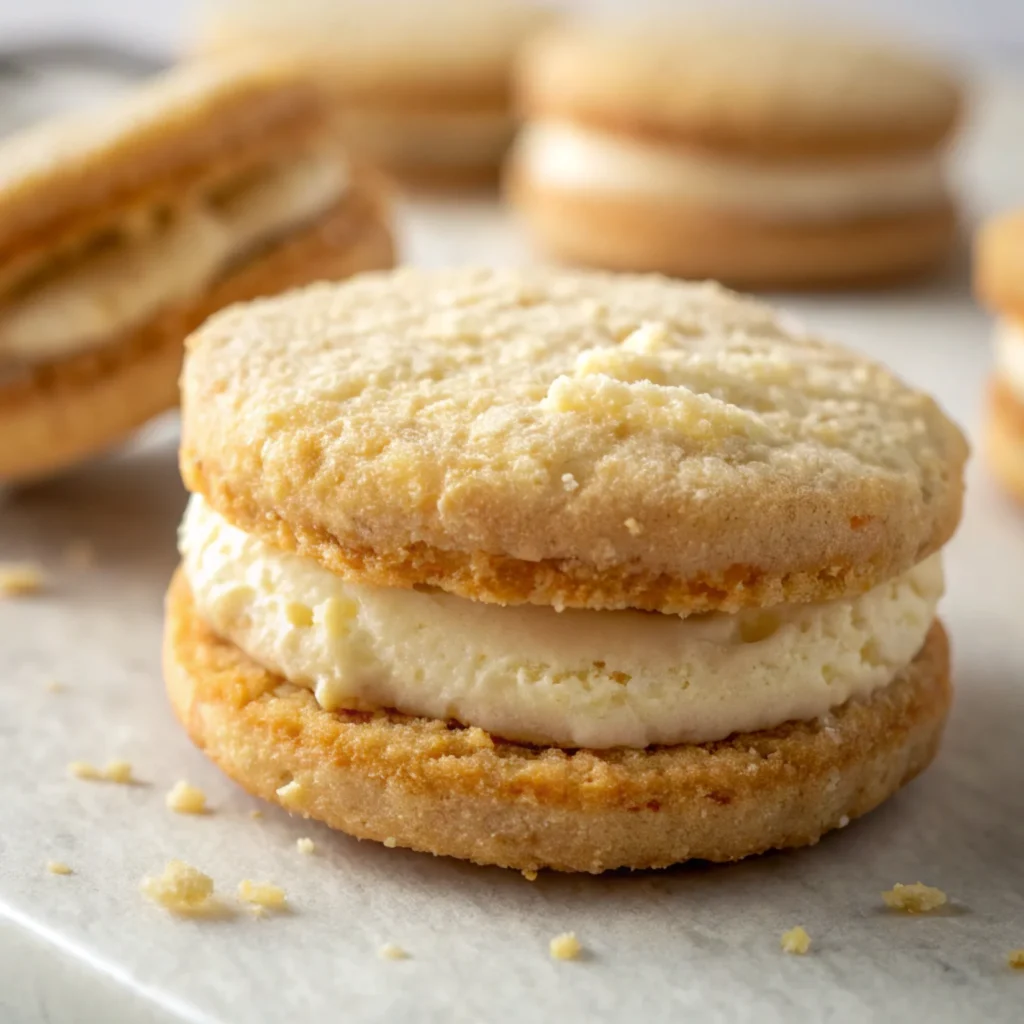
x,y
122,229
748,155
420,90
552,569
999,282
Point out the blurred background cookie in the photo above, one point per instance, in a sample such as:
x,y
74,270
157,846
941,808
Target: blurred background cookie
x,y
122,230
750,155
420,89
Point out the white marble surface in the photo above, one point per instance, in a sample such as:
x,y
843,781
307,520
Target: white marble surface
x,y
696,943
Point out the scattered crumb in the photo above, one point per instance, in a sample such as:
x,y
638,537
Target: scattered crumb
x,y
18,580
389,951
565,946
796,941
84,770
263,894
305,845
291,794
58,867
915,898
530,875
634,527
186,799
1016,959
181,889
53,686
844,821
256,815
118,771
569,482
391,842
80,554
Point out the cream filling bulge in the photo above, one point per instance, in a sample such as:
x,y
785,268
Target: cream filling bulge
x,y
573,678
563,155
1008,343
156,264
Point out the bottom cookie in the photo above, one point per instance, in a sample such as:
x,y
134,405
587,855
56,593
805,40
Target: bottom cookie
x,y
1004,438
60,413
448,789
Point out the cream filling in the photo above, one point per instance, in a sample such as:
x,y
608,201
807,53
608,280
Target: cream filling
x,y
562,155
154,264
573,678
430,139
1008,342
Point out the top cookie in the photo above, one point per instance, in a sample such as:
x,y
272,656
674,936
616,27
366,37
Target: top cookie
x,y
999,263
565,438
743,90
405,47
63,176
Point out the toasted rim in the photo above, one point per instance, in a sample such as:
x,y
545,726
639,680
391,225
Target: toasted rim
x,y
999,263
62,412
447,789
630,233
1004,437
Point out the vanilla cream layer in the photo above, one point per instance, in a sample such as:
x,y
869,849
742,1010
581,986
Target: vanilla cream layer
x,y
563,155
1008,342
398,138
161,261
572,678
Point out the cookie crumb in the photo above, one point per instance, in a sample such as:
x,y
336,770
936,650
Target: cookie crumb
x,y
1016,959
118,771
20,580
635,529
391,842
181,889
569,482
263,894
565,946
256,815
844,821
915,898
389,951
529,874
305,845
796,941
80,554
53,686
291,794
184,798
58,867
84,770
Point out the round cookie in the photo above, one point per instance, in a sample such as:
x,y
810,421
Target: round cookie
x,y
570,439
461,792
749,155
420,90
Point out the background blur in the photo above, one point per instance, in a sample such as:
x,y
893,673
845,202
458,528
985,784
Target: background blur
x,y
991,29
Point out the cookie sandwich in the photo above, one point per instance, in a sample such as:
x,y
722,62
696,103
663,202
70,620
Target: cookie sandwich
x,y
421,90
554,569
999,283
748,155
122,229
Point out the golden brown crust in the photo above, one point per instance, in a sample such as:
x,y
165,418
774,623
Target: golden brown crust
x,y
460,792
754,91
60,413
692,242
999,263
169,132
1004,438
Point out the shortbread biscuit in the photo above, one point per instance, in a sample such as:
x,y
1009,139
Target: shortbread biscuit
x,y
464,793
120,231
750,155
574,439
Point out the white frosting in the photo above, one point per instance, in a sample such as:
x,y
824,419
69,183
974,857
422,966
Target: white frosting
x,y
151,264
563,155
1008,341
573,678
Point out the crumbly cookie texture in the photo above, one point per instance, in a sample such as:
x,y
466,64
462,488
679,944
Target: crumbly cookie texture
x,y
434,786
915,898
181,888
58,867
185,798
796,940
565,947
305,845
262,894
390,951
418,428
742,89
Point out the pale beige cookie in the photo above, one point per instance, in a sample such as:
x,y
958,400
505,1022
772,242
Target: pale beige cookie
x,y
999,263
461,792
122,229
565,438
748,154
